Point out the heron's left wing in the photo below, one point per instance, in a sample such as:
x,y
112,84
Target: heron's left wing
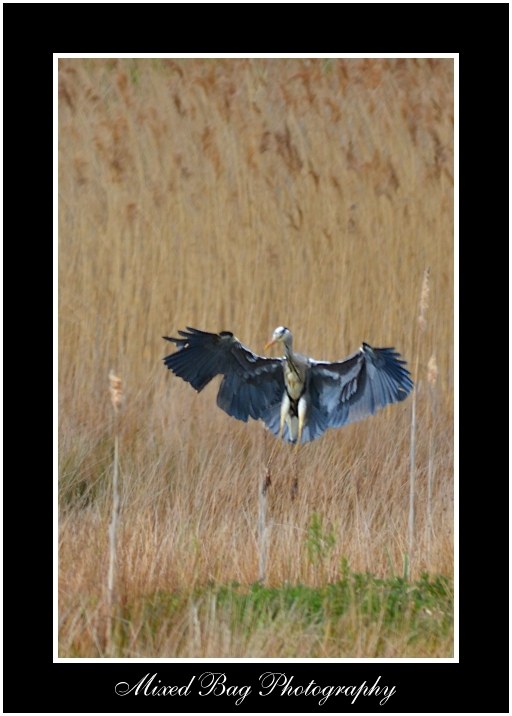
x,y
251,384
350,390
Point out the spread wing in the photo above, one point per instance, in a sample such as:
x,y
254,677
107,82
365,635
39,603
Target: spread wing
x,y
356,387
251,385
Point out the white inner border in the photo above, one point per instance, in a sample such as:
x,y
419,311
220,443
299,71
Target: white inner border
x,y
214,55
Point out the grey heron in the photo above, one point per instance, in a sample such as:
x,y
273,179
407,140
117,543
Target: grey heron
x,y
297,398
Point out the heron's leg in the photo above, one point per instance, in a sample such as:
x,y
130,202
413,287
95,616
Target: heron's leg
x,y
285,408
301,411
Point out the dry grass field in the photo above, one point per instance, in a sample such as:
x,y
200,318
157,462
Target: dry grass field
x,y
241,195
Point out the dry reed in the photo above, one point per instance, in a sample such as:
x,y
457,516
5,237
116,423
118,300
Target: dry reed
x,y
432,374
422,325
242,195
116,396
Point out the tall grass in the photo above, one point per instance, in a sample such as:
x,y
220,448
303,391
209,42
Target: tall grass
x,y
422,323
116,397
241,195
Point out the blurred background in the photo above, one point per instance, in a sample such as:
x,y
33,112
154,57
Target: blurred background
x,y
241,195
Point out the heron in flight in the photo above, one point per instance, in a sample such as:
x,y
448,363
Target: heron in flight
x,y
297,398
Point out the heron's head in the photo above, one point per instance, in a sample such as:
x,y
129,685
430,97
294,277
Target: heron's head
x,y
280,335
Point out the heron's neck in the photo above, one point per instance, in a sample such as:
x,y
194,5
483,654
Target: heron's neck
x,y
289,352
293,374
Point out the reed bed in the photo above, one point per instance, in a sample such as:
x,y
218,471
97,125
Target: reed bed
x,y
241,195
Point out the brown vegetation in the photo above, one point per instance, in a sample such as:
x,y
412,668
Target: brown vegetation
x,y
241,195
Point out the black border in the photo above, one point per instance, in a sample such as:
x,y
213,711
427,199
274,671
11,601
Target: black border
x,y
32,683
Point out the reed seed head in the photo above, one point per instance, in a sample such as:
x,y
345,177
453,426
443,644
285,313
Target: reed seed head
x,y
116,390
432,371
425,290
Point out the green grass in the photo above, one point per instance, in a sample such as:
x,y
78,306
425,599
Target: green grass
x,y
419,614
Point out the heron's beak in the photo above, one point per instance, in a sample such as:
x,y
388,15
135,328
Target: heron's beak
x,y
270,343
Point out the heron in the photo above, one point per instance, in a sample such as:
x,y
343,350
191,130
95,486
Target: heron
x,y
298,398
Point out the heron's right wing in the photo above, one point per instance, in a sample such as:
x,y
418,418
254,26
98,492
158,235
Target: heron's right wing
x,y
251,385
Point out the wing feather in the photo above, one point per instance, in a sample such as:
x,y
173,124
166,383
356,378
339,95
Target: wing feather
x,y
358,386
251,385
